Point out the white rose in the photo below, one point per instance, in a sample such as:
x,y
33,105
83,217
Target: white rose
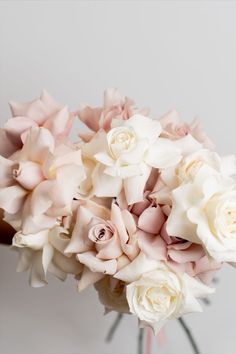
x,y
188,167
127,154
121,140
157,293
204,212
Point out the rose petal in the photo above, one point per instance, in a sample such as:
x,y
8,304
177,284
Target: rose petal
x,y
134,186
95,264
152,246
12,198
151,220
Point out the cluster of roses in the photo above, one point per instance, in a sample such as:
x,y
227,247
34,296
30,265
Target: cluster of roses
x,y
142,208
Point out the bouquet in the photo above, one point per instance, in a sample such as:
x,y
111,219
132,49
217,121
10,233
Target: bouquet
x,y
143,209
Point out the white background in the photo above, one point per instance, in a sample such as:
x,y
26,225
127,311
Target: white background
x,y
164,55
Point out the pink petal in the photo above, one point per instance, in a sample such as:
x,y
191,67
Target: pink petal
x,y
111,250
90,117
6,178
138,208
28,174
151,220
205,268
7,147
116,218
79,240
57,122
95,264
88,278
12,198
190,254
153,246
38,144
14,128
41,198
86,137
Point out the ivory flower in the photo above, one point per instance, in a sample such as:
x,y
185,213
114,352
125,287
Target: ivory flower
x,y
128,152
204,212
156,293
186,170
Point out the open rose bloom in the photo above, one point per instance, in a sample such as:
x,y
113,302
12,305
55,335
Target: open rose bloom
x,y
142,209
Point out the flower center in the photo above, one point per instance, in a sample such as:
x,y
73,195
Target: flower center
x,y
120,140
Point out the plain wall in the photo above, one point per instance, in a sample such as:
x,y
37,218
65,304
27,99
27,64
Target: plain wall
x,y
173,54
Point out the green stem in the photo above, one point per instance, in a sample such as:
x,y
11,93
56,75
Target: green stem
x,y
190,336
114,327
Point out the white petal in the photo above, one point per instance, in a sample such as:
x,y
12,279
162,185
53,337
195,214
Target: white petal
x,y
163,154
133,271
144,127
47,255
134,186
104,185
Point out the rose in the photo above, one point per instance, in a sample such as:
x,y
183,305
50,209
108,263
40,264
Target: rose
x,y
96,242
204,212
156,296
105,237
174,128
103,240
115,106
126,155
41,112
189,166
121,140
39,183
186,170
156,293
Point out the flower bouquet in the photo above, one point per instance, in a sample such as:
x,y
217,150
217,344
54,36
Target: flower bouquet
x,y
143,209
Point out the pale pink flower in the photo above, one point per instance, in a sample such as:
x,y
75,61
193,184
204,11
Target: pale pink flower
x,y
174,128
42,112
115,106
103,240
38,184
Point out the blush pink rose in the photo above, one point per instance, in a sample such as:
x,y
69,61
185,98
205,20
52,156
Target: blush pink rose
x,y
38,184
115,106
42,112
103,240
174,128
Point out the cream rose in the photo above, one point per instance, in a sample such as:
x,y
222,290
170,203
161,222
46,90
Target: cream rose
x,y
156,293
127,154
186,170
204,212
121,140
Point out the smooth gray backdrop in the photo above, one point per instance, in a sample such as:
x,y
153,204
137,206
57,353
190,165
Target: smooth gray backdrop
x,y
173,54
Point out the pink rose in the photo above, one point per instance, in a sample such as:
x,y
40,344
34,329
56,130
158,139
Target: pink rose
x,y
174,128
42,112
114,106
38,184
103,240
